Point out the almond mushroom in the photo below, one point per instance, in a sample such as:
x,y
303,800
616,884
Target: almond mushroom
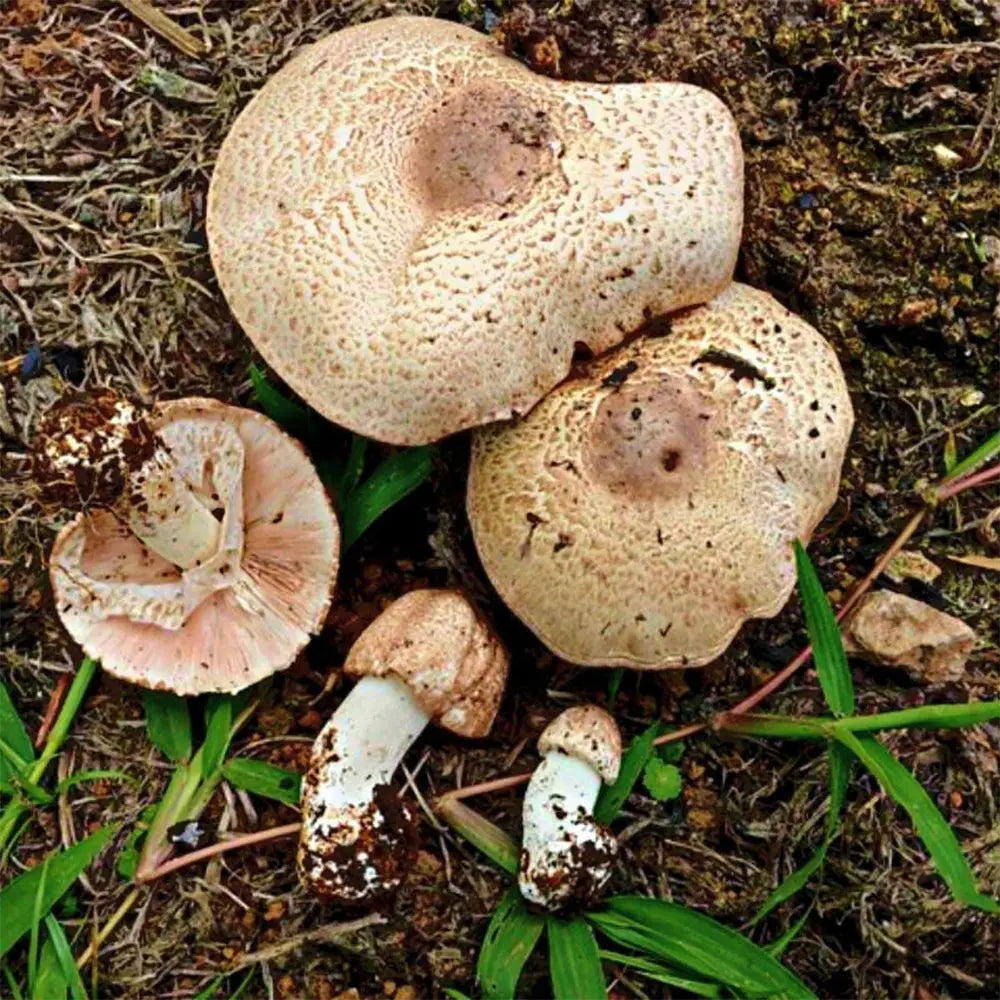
x,y
435,225
207,549
644,510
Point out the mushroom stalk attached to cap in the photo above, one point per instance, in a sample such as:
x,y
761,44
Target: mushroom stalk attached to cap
x,y
100,450
566,854
427,657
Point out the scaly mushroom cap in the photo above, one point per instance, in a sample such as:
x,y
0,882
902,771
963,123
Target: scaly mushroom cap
x,y
221,626
587,733
415,230
641,512
434,642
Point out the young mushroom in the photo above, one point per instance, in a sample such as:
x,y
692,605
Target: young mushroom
x,y
566,855
644,510
432,213
427,658
206,552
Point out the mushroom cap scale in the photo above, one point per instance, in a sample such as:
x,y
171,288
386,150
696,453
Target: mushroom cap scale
x,y
642,511
588,734
434,642
125,605
435,227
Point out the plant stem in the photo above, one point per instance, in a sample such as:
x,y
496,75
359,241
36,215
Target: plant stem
x,y
479,831
775,726
243,840
11,817
113,921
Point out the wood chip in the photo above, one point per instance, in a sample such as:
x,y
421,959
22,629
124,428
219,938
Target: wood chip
x,y
166,28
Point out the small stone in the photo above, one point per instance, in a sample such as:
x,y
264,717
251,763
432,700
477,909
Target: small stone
x,y
389,987
946,156
406,993
917,311
910,565
971,397
874,490
891,629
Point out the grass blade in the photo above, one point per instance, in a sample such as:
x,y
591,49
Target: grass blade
x,y
64,953
396,477
824,635
979,457
168,724
510,939
697,943
840,776
925,717
574,963
48,981
261,778
634,760
218,725
661,973
479,832
355,465
778,947
933,829
59,872
293,418
37,914
15,736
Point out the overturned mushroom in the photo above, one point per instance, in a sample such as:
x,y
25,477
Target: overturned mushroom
x,y
566,855
641,512
430,213
427,658
207,550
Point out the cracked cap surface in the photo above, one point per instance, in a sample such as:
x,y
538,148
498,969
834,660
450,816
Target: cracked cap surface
x,y
643,511
415,197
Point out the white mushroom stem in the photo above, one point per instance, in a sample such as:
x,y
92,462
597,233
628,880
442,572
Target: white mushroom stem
x,y
169,517
371,731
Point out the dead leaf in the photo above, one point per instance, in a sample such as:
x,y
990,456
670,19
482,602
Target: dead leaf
x,y
980,562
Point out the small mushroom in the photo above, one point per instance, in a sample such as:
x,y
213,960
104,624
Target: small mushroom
x,y
431,213
206,552
644,510
427,658
567,856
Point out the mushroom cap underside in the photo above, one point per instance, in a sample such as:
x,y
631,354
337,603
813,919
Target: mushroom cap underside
x,y
238,634
642,511
432,216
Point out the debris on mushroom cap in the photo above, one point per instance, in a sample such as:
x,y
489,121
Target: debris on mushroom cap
x,y
89,444
238,616
643,511
894,630
431,214
587,733
450,659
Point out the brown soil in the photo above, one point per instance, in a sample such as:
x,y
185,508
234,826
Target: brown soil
x,y
852,220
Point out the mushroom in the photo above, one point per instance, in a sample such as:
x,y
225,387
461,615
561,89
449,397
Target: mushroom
x,y
427,658
644,510
207,549
435,228
566,855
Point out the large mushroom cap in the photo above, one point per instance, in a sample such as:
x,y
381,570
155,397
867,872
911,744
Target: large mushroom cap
x,y
129,607
434,641
641,512
415,230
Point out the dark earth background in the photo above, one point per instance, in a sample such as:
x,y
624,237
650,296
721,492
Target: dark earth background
x,y
852,221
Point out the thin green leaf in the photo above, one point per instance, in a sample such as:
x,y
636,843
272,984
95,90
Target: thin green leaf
x,y
824,635
840,774
779,945
15,990
574,964
931,826
925,717
613,797
355,466
510,939
128,857
60,872
662,781
453,994
48,981
979,457
218,730
294,418
479,832
661,973
15,738
19,779
697,943
37,913
671,753
614,685
213,987
79,777
168,724
67,963
396,477
261,778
